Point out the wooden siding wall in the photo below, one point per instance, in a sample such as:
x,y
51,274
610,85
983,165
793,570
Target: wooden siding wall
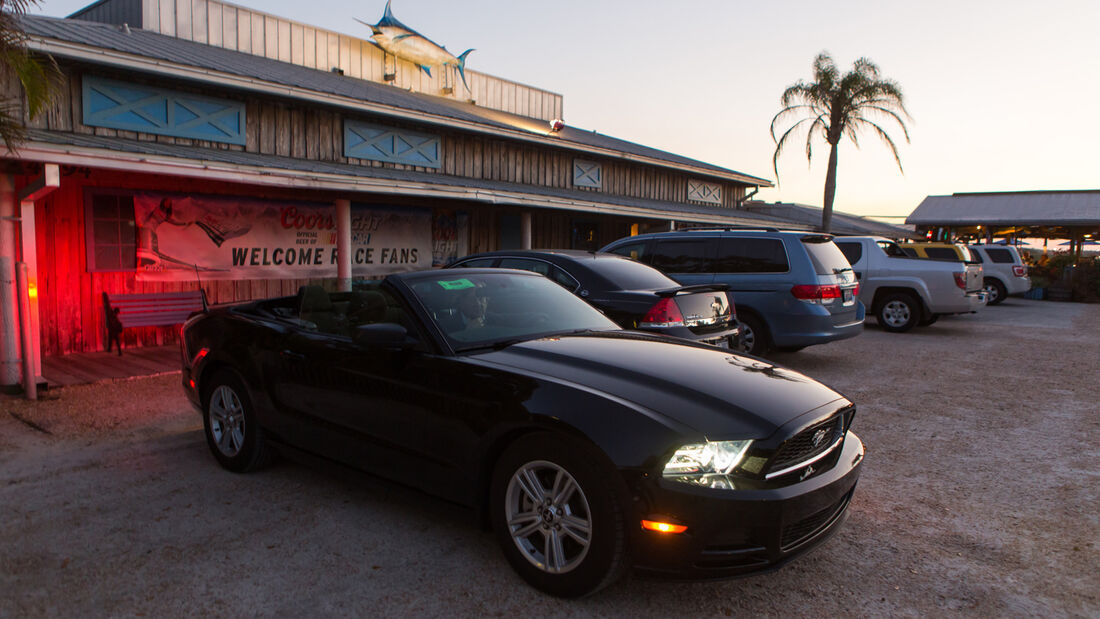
x,y
70,297
253,32
70,301
314,133
113,12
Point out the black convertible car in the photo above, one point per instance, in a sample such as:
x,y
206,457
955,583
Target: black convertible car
x,y
590,449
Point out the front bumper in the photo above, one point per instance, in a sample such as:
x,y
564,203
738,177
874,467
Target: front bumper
x,y
737,532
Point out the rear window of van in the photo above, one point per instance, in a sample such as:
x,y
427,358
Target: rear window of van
x,y
825,255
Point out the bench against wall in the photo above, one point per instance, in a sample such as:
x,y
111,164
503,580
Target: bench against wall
x,y
153,309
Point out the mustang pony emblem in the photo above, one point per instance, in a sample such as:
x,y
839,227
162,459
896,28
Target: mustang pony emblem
x,y
405,43
820,436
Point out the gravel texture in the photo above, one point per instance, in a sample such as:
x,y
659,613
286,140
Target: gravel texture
x,y
979,496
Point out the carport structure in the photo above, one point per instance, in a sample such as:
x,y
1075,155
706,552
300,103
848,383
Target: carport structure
x,y
1073,215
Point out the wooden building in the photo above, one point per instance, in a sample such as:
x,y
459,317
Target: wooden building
x,y
244,117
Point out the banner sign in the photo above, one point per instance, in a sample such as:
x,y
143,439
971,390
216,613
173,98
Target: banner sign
x,y
450,231
184,238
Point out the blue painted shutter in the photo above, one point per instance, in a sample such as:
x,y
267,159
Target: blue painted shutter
x,y
134,107
380,143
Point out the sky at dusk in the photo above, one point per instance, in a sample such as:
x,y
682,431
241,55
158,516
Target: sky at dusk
x,y
1002,94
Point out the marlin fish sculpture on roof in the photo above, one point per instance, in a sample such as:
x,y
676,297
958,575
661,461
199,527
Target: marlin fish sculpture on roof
x,y
405,43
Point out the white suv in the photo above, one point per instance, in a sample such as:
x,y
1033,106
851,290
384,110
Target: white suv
x,y
1005,273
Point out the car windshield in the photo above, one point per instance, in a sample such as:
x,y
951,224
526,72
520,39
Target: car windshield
x,y
481,310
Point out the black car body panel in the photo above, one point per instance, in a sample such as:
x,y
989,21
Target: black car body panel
x,y
425,416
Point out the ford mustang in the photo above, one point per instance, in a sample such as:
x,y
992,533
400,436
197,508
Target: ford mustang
x,y
587,448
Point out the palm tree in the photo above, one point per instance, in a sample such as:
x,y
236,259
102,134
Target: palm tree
x,y
38,75
835,106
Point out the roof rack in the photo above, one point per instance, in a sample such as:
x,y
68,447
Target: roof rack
x,y
728,228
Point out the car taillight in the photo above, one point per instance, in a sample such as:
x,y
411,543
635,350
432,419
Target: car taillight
x,y
1019,270
855,291
816,294
960,279
664,314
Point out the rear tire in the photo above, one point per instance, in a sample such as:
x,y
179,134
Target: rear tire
x,y
754,336
995,289
557,511
898,312
229,422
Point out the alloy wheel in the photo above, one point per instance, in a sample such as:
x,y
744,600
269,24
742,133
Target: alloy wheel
x,y
748,338
896,313
548,517
991,293
227,420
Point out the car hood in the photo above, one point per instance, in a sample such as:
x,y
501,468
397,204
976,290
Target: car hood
x,y
719,394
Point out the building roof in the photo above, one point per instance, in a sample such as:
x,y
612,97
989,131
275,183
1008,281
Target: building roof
x,y
1023,208
75,39
843,223
218,164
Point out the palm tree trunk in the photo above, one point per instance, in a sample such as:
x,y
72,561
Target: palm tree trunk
x,y
830,191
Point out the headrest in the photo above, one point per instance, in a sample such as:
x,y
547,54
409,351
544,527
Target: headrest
x,y
313,299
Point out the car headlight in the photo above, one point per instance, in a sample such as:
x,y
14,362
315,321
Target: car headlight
x,y
692,463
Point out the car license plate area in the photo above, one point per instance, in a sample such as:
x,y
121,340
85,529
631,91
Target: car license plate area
x,y
847,297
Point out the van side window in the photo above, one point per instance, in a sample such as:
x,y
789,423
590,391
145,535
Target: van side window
x,y
749,255
999,256
689,256
852,251
634,251
941,253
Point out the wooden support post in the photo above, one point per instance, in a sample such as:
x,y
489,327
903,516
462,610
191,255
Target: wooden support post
x,y
343,245
525,229
30,378
9,318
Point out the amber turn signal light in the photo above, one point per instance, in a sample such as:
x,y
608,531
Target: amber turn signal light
x,y
663,527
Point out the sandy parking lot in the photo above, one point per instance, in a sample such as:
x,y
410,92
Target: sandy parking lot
x,y
979,496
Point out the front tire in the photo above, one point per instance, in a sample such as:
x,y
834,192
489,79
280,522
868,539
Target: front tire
x,y
995,290
898,312
229,422
557,511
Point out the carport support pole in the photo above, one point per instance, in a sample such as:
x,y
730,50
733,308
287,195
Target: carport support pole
x,y
525,229
9,343
343,244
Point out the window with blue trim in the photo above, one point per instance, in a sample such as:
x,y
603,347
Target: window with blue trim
x,y
135,107
380,143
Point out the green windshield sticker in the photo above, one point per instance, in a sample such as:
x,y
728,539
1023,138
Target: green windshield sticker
x,y
456,284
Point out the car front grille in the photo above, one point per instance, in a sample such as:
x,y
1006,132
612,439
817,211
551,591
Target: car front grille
x,y
807,444
813,525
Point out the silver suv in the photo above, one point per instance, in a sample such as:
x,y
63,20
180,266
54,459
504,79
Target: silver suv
x,y
1004,272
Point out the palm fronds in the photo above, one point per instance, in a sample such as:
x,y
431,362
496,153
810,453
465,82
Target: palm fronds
x,y
39,76
837,106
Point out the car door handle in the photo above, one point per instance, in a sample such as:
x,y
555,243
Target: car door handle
x,y
293,356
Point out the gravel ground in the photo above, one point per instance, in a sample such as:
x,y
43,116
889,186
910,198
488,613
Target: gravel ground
x,y
979,497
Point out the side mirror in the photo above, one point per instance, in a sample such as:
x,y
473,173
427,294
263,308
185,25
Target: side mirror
x,y
382,335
